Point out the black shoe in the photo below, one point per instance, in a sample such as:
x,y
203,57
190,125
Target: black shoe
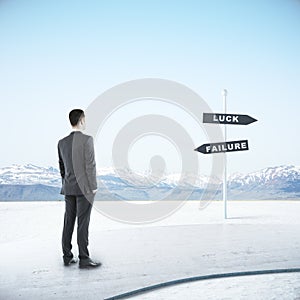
x,y
70,260
88,264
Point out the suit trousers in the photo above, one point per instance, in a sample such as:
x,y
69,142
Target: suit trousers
x,y
80,206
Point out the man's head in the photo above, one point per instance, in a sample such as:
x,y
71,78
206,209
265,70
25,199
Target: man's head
x,y
77,119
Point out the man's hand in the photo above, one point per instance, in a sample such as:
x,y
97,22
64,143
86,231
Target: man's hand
x,y
95,191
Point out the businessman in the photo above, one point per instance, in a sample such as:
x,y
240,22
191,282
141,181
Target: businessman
x,y
79,185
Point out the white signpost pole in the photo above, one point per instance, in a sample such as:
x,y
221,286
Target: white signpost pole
x,y
224,94
226,146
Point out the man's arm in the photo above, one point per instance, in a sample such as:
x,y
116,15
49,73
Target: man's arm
x,y
90,164
61,163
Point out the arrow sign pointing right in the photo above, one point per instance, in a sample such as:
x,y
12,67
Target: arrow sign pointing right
x,y
234,119
223,147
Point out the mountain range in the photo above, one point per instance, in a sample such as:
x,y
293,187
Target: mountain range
x,y
36,183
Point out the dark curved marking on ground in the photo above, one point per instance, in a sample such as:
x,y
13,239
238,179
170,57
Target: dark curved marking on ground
x,y
198,278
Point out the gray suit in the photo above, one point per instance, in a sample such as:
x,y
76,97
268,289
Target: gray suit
x,y
76,157
78,171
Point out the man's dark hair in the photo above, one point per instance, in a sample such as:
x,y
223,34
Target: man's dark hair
x,y
75,115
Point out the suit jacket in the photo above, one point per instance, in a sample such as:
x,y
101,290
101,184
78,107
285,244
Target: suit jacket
x,y
77,164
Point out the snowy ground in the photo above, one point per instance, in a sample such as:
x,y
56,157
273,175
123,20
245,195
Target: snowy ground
x,y
279,286
258,235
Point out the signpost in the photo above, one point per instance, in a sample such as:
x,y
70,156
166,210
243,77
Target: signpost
x,y
224,94
223,147
232,119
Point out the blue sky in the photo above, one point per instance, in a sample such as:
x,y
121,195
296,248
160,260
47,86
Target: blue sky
x,y
57,55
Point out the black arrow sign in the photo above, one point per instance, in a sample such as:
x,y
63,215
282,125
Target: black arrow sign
x,y
228,119
223,147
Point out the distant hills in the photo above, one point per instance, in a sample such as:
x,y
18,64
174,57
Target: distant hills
x,y
30,182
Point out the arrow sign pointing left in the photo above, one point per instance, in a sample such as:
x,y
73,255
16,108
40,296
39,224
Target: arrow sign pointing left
x,y
223,147
228,119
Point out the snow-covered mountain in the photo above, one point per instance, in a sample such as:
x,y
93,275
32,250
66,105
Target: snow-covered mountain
x,y
282,182
29,174
31,182
267,176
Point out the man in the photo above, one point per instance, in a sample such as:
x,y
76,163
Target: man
x,y
79,186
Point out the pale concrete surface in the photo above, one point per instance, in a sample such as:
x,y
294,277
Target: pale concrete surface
x,y
259,235
262,287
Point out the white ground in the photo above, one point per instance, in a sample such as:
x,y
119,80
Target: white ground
x,y
192,242
277,287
